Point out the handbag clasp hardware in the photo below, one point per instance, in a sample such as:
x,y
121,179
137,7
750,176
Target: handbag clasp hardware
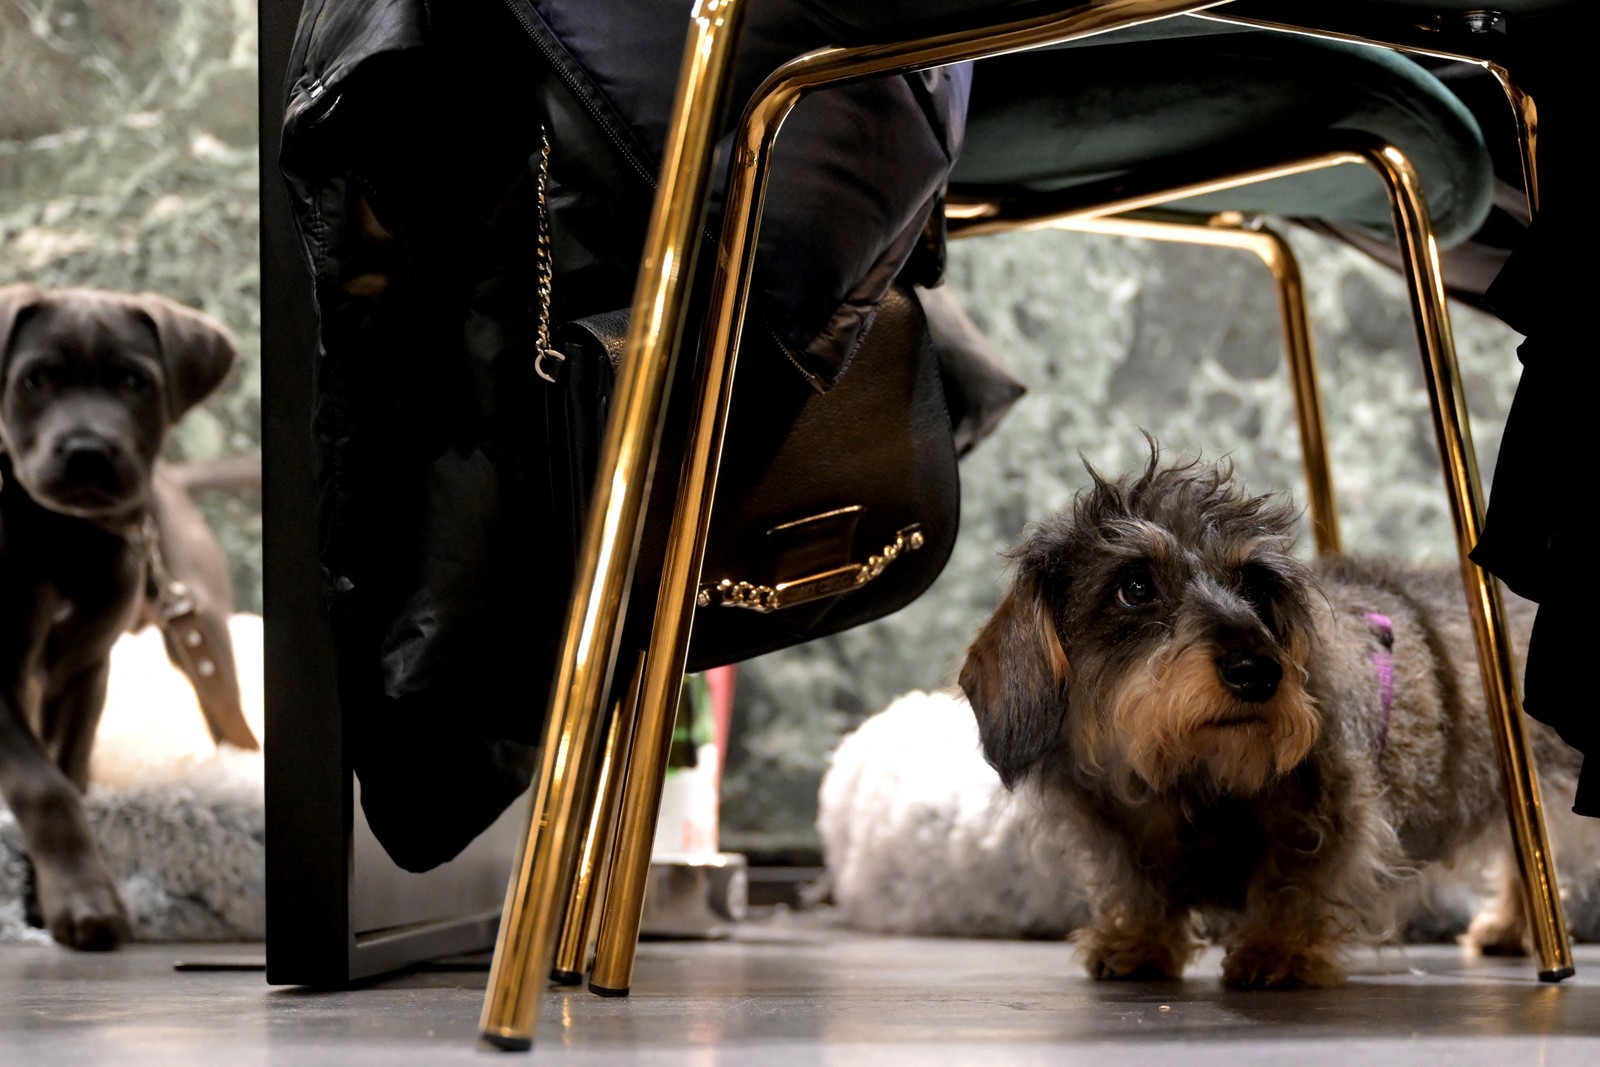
x,y
769,598
538,363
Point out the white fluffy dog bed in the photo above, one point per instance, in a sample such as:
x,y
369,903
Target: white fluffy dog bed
x,y
179,821
920,837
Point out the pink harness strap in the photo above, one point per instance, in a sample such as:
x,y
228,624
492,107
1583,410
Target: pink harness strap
x,y
1383,666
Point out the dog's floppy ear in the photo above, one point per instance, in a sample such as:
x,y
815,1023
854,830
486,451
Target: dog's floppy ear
x,y
195,349
15,300
1015,678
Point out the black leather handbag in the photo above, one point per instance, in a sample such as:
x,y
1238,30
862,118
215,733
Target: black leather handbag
x,y
832,508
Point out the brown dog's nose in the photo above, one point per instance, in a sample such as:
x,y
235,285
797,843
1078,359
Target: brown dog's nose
x,y
86,458
1249,675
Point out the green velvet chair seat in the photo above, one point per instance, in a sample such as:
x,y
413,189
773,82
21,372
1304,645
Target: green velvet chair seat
x,y
1569,12
855,22
1052,119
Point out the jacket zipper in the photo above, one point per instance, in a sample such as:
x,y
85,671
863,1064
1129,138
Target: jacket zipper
x,y
557,64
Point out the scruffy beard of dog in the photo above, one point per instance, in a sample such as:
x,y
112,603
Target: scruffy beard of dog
x,y
1243,744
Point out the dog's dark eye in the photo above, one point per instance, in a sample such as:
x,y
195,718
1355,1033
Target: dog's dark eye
x,y
32,382
1257,586
1259,589
1136,591
132,381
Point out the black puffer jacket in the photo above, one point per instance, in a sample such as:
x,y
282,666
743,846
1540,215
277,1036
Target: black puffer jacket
x,y
411,141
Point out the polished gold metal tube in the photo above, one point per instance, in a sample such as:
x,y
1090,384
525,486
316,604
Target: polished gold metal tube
x,y
1525,113
588,885
612,974
771,104
1420,258
536,893
1306,383
1273,250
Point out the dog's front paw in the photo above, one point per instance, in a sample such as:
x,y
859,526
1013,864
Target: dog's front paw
x,y
1269,965
1134,957
84,913
89,921
1498,932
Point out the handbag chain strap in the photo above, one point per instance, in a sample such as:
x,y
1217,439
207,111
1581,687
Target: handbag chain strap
x,y
768,598
544,267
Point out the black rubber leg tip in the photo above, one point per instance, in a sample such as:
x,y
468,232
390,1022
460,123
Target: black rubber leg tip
x,y
560,977
507,1043
1557,975
602,991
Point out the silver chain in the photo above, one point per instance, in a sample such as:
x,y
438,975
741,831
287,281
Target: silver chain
x,y
545,268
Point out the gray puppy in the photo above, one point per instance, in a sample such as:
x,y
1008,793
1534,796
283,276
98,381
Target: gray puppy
x,y
90,383
1240,743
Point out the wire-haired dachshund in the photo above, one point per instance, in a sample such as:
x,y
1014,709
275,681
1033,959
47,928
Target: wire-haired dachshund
x,y
1243,745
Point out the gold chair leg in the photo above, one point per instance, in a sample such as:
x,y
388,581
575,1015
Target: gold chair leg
x,y
525,947
1525,113
1306,383
1524,805
582,914
1271,248
619,929
612,974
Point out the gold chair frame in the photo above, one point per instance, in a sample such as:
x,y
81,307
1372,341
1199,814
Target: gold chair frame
x,y
563,811
1425,287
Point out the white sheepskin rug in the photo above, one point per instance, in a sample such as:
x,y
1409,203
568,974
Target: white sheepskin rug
x,y
920,837
179,820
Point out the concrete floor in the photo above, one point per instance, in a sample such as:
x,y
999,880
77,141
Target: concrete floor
x,y
798,992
